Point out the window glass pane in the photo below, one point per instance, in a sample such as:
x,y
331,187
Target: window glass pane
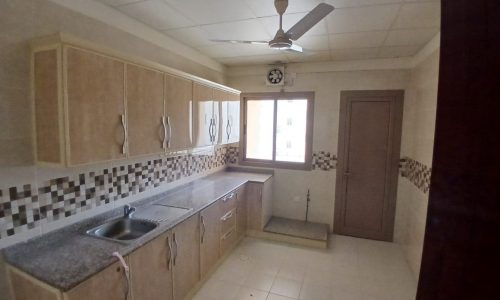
x,y
260,115
291,130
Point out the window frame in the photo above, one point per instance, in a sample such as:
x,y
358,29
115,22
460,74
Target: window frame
x,y
243,160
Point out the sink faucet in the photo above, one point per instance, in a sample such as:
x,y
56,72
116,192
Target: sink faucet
x,y
128,211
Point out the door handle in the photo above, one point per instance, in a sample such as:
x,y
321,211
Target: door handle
x,y
203,229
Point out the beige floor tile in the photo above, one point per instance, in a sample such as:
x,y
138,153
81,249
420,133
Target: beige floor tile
x,y
286,287
278,297
222,290
292,272
315,292
246,293
259,280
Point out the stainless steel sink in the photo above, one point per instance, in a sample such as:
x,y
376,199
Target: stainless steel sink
x,y
122,229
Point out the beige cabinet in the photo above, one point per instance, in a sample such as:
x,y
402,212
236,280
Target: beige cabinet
x,y
151,270
241,212
186,260
109,284
230,118
95,107
209,237
179,114
206,119
259,204
145,111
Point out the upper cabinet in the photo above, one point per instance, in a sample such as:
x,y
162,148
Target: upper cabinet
x,y
229,116
205,111
93,107
145,111
179,114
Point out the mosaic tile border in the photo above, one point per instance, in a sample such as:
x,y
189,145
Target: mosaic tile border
x,y
416,172
321,160
25,207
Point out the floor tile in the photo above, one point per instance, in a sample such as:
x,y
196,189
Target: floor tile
x,y
259,280
286,287
278,297
246,293
315,292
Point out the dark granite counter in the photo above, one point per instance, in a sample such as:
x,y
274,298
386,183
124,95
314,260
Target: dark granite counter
x,y
65,257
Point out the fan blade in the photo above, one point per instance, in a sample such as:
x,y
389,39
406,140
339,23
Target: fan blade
x,y
308,22
294,49
241,42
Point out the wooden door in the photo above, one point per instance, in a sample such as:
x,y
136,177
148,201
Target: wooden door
x,y
178,103
209,237
95,103
367,173
233,117
203,112
109,284
151,270
145,111
186,242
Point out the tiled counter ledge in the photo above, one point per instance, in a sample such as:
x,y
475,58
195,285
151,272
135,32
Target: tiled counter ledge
x,y
66,257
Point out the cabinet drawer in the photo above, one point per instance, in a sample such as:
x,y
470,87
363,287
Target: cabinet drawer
x,y
229,201
227,241
228,221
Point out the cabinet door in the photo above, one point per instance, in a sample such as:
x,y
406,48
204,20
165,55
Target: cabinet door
x,y
203,111
233,117
186,242
254,205
109,284
151,270
178,105
144,111
95,104
224,123
241,212
210,236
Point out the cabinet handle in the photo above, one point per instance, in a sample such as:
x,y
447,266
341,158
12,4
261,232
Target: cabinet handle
x,y
169,132
227,216
164,143
169,256
124,146
215,127
175,247
210,130
228,234
203,229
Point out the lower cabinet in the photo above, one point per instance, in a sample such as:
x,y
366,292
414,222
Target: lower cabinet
x,y
241,212
186,259
151,270
109,284
209,237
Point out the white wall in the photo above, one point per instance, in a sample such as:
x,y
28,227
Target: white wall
x,y
290,187
417,143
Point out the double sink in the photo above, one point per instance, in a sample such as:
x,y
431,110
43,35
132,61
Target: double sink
x,y
136,222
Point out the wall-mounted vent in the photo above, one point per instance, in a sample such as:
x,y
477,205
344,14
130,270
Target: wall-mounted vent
x,y
276,75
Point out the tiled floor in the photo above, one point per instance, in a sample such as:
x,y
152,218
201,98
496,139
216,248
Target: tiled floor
x,y
351,269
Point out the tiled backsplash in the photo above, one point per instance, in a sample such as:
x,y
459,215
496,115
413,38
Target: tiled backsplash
x,y
322,160
416,172
24,207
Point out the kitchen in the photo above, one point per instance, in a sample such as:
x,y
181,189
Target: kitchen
x,y
249,149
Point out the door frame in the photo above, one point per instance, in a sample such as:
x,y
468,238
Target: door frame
x,y
392,171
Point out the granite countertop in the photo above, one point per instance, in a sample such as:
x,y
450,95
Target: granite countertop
x,y
66,257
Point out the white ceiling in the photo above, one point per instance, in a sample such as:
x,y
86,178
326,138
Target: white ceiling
x,y
356,29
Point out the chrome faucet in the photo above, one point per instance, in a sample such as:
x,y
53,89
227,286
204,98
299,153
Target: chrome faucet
x,y
128,211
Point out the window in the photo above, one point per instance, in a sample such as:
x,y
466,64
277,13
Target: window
x,y
277,130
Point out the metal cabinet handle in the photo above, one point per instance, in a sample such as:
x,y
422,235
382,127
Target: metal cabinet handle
x,y
228,234
124,146
227,216
169,256
163,122
203,229
210,130
175,245
169,132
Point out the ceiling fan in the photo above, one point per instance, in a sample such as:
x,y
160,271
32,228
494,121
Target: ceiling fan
x,y
283,40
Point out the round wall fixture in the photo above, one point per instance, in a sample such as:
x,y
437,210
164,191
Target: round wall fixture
x,y
275,76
